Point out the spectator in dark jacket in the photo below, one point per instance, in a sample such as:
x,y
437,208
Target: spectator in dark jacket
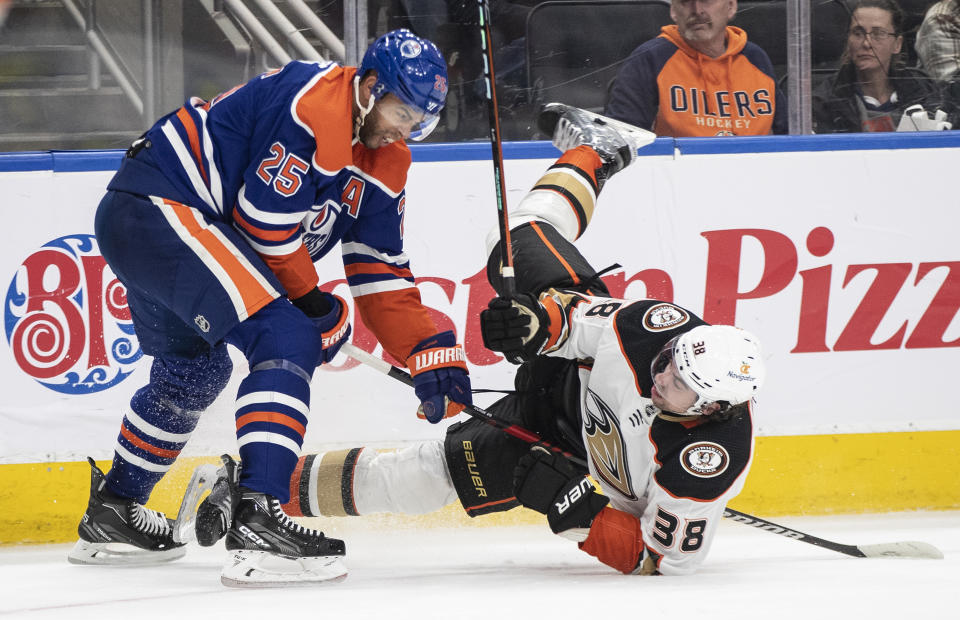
x,y
872,88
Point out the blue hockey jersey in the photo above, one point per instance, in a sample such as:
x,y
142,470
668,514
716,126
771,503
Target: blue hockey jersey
x,y
275,158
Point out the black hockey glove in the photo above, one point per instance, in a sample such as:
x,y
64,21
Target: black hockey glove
x,y
517,327
546,482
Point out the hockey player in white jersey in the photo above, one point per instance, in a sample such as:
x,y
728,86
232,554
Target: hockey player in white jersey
x,y
657,402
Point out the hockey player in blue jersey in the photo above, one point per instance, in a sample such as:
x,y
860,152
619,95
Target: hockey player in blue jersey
x,y
213,223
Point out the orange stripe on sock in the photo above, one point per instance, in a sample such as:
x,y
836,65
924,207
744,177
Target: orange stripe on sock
x,y
272,417
584,158
554,251
166,454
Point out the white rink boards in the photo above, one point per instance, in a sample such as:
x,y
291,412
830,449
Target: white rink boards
x,y
839,260
837,251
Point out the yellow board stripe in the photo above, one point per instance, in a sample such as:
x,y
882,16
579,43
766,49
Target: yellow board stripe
x,y
868,472
807,474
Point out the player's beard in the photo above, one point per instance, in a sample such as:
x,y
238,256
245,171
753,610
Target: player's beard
x,y
373,134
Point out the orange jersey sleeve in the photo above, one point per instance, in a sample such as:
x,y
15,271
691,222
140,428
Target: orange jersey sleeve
x,y
397,319
295,272
616,540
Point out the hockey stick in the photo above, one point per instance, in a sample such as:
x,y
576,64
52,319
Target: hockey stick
x,y
908,549
496,145
481,414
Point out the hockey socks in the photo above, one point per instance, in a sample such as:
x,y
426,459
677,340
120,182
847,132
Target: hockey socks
x,y
565,196
161,417
362,481
271,413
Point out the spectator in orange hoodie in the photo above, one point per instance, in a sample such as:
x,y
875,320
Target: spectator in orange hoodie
x,y
700,77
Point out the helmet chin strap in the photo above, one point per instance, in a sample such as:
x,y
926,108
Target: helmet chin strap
x,y
363,110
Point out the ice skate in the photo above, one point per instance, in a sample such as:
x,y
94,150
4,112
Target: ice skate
x,y
616,142
118,530
215,513
269,549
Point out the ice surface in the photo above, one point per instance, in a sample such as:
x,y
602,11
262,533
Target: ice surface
x,y
522,572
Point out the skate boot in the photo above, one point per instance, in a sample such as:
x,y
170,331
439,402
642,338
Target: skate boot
x,y
269,549
215,513
118,530
616,142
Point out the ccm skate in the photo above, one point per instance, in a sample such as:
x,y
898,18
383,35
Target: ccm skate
x,y
269,549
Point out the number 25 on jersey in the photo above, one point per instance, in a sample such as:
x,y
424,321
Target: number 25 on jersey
x,y
282,170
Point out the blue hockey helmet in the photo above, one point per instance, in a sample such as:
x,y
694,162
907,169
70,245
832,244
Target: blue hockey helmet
x,y
411,68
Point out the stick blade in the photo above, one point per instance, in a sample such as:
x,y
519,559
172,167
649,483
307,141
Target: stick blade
x,y
906,549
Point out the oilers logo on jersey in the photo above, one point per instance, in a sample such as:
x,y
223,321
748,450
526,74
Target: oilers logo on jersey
x,y
317,229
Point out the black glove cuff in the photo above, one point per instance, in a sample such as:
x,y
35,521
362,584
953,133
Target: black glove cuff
x,y
314,304
506,324
576,507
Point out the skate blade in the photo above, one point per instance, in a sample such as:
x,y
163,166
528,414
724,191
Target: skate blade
x,y
549,118
202,481
120,554
259,569
639,137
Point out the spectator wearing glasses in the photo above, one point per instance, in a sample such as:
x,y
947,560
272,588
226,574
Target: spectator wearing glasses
x,y
872,88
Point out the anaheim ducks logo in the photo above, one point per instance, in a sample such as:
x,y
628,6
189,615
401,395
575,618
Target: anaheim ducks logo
x,y
605,443
705,459
664,316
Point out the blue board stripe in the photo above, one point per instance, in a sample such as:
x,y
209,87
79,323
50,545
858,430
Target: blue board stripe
x,y
106,160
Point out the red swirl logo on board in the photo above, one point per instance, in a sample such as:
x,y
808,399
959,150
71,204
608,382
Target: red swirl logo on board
x,y
67,321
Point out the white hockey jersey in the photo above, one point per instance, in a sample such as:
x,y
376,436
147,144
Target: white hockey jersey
x,y
669,476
